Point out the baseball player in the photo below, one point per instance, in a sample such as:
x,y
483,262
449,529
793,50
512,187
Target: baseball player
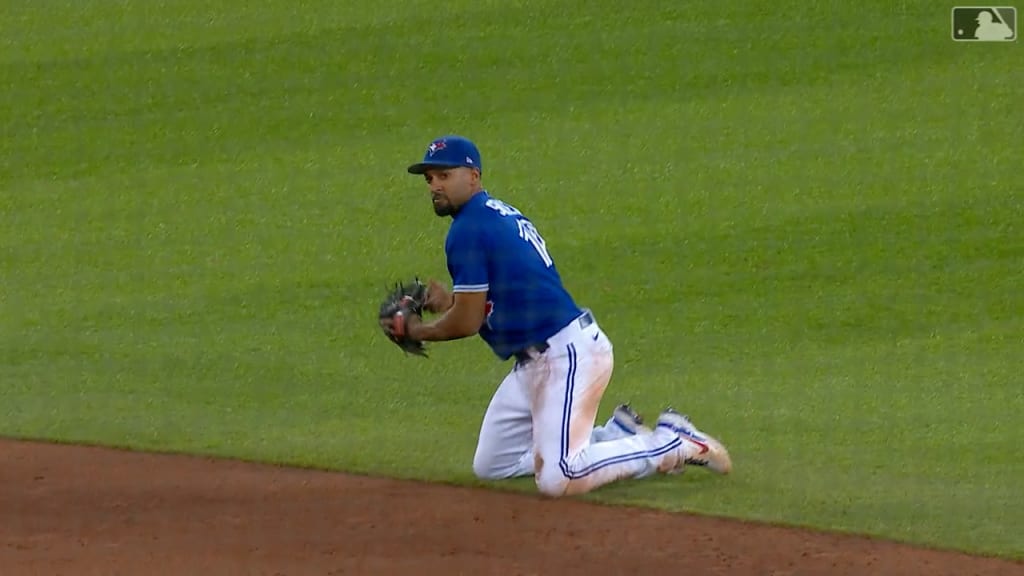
x,y
507,289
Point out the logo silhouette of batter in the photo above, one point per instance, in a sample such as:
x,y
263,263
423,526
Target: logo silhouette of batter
x,y
989,30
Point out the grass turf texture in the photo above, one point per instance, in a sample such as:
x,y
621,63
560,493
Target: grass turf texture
x,y
801,226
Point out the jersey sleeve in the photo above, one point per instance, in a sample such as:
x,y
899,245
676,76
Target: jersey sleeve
x,y
466,249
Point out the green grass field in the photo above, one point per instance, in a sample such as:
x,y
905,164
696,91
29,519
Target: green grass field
x,y
799,223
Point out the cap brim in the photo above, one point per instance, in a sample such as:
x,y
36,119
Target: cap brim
x,y
422,167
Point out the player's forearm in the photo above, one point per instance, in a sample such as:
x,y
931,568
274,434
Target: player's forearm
x,y
444,305
450,326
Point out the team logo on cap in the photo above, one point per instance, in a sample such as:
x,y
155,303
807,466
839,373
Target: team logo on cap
x,y
435,146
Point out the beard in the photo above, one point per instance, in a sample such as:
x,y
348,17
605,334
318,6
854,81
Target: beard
x,y
443,208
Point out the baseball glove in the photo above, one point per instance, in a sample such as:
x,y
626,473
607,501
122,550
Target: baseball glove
x,y
404,299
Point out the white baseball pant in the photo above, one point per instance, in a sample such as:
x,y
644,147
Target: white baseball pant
x,y
541,421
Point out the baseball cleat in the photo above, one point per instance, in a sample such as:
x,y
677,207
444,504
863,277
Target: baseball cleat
x,y
628,420
700,449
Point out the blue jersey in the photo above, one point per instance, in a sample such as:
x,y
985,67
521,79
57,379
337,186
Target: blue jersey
x,y
491,247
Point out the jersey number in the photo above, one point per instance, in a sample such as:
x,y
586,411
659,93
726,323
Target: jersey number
x,y
527,231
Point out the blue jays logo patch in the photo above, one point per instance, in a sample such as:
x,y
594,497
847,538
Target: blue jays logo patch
x,y
435,146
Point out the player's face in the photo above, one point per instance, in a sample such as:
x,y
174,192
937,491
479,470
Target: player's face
x,y
451,188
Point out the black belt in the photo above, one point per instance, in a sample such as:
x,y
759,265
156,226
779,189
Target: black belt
x,y
530,352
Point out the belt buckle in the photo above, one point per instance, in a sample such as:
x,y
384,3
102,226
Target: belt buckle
x,y
586,319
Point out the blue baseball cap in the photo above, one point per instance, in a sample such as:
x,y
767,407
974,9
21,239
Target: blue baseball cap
x,y
449,152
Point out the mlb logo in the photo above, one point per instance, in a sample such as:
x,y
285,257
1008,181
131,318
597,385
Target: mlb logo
x,y
984,24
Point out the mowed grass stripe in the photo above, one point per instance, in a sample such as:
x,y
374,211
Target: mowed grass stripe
x,y
807,235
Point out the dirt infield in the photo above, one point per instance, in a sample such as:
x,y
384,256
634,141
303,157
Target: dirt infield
x,y
82,511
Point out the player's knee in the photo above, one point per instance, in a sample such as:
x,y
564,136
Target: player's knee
x,y
552,483
482,468
485,467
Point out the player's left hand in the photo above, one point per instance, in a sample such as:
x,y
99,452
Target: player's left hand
x,y
400,312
